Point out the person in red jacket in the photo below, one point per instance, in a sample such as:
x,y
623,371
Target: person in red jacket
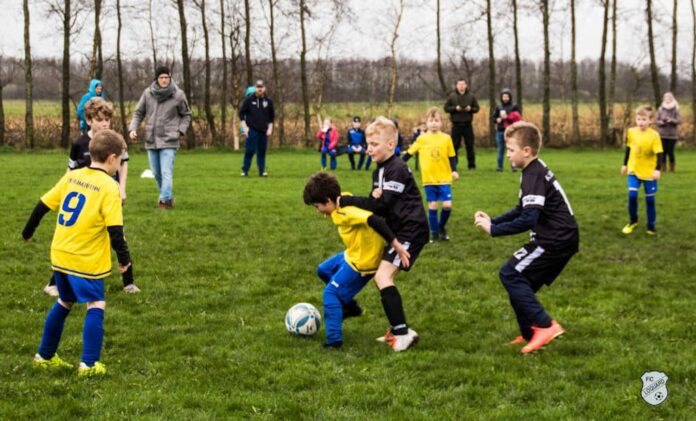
x,y
328,143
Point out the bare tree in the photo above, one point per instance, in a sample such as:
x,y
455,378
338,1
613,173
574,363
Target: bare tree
x,y
603,76
119,67
65,104
277,85
574,76
491,72
693,71
654,74
96,62
440,74
28,85
518,63
612,74
8,68
206,92
153,44
236,79
225,88
399,12
304,11
547,73
186,64
673,79
247,44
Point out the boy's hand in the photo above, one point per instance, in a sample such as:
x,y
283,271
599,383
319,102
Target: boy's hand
x,y
122,269
458,108
404,255
377,193
624,170
468,108
133,135
656,175
455,175
483,221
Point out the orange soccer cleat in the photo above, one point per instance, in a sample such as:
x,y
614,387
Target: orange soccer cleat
x,y
542,336
517,340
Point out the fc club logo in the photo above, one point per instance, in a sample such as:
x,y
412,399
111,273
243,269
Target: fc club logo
x,y
654,389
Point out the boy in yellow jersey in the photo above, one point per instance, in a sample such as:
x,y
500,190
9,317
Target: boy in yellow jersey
x,y
438,171
346,273
89,218
642,164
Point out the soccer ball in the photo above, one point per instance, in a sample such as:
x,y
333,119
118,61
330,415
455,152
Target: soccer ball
x,y
303,319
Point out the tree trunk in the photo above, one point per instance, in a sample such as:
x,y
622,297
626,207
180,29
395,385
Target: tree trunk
x,y
602,78
440,74
2,119
206,100
491,73
674,79
28,84
654,74
612,76
693,72
247,44
394,74
547,75
224,93
303,75
574,76
65,94
518,62
119,67
277,85
185,60
234,58
153,45
96,63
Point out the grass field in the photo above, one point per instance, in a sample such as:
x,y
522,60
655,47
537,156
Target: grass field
x,y
206,340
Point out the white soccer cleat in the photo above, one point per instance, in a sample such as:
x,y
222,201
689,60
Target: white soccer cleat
x,y
131,289
400,343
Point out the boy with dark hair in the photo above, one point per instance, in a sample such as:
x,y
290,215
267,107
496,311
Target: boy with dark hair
x,y
89,216
396,197
544,209
346,273
438,173
356,143
642,163
98,114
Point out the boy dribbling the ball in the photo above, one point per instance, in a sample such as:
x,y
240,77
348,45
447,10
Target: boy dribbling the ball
x,y
544,209
346,273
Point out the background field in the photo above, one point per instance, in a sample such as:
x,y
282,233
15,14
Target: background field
x,y
205,339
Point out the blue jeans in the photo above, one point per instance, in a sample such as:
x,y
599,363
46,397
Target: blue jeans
x,y
256,143
342,284
500,141
162,166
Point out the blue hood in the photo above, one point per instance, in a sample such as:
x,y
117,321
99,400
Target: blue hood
x,y
93,87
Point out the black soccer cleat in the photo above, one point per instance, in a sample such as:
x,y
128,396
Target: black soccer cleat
x,y
443,235
434,237
333,345
352,310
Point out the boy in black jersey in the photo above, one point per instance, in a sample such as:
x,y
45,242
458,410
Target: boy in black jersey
x,y
544,209
396,197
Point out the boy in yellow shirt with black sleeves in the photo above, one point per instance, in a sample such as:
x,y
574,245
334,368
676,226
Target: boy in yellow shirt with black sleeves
x,y
438,171
642,163
90,219
346,273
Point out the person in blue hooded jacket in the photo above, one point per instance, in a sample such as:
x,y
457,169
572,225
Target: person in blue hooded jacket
x,y
95,89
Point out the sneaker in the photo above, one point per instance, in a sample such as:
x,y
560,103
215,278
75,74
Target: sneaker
x,y
333,345
629,228
651,231
51,290
434,237
400,342
264,174
162,204
443,235
543,336
55,362
98,369
517,340
131,289
499,170
244,174
352,311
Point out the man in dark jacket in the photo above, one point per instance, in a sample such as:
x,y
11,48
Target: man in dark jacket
x,y
258,114
461,106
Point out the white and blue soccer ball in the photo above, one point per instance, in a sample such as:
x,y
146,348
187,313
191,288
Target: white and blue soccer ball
x,y
303,319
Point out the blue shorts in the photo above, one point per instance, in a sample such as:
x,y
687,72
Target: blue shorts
x,y
74,289
438,193
650,186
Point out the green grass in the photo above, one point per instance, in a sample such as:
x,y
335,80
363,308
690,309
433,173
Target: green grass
x,y
206,340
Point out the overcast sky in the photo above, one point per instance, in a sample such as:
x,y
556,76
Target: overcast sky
x,y
365,32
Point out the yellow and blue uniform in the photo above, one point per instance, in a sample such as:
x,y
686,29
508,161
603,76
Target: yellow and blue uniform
x,y
644,147
434,151
346,273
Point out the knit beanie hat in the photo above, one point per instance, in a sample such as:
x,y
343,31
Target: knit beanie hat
x,y
162,70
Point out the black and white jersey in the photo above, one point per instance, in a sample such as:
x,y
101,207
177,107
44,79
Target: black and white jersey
x,y
405,214
556,226
79,153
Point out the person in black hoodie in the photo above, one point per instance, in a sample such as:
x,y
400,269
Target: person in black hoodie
x,y
461,106
503,116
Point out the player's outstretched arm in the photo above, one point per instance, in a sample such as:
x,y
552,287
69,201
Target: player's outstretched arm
x,y
34,220
523,222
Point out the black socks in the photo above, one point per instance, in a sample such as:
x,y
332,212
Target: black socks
x,y
394,309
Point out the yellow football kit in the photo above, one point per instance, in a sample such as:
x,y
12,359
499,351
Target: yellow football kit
x,y
645,145
87,201
364,247
434,151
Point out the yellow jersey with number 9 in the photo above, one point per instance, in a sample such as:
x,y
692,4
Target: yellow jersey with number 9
x,y
364,247
87,201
